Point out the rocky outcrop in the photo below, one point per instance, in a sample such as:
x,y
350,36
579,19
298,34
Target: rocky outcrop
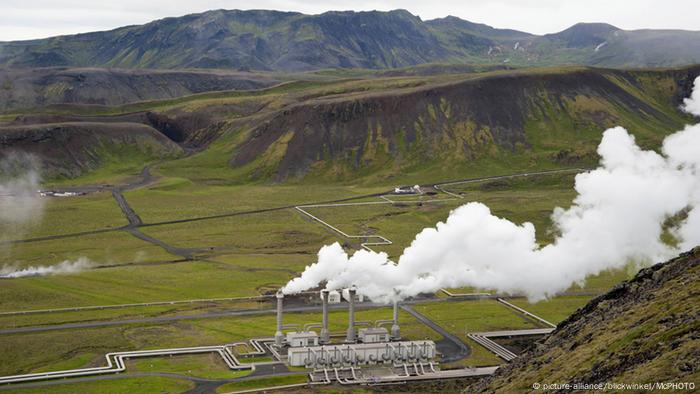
x,y
644,330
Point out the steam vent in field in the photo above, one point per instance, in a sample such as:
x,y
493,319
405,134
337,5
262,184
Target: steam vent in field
x,y
198,200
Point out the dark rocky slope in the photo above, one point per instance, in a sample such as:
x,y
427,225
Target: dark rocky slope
x,y
644,330
556,113
72,149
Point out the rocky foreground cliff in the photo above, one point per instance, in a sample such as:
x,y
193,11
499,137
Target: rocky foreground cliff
x,y
645,330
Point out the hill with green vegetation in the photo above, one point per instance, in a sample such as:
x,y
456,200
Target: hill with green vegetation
x,y
644,330
290,41
378,128
28,88
71,149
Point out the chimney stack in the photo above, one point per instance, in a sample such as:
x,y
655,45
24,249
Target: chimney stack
x,y
395,331
279,337
351,316
325,335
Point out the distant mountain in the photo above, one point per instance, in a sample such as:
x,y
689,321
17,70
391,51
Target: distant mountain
x,y
289,41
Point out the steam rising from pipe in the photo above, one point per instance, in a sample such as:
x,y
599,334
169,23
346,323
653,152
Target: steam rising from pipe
x,y
20,204
618,216
691,105
64,267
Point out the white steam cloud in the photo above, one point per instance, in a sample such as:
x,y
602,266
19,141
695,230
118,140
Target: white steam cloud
x,y
64,267
20,204
617,217
692,104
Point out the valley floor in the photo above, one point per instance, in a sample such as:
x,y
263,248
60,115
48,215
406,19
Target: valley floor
x,y
177,264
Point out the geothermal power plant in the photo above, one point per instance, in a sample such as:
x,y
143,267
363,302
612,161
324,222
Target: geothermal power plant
x,y
373,344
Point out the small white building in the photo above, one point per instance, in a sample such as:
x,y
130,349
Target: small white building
x,y
298,339
358,297
408,190
373,335
333,297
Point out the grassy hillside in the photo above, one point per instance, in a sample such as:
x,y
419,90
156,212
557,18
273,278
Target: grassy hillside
x,y
28,88
409,128
441,127
642,331
96,150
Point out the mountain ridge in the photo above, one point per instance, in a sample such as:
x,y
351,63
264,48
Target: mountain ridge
x,y
290,41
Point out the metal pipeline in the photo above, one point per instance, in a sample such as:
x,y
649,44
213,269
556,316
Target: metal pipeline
x,y
351,316
325,334
395,331
279,337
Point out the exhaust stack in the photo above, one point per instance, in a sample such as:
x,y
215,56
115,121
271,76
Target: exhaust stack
x,y
351,316
325,335
279,337
395,331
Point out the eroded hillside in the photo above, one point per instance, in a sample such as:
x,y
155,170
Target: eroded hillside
x,y
419,127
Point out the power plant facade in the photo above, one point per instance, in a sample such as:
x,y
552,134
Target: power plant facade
x,y
345,355
367,346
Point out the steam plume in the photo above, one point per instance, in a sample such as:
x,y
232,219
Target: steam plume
x,y
20,204
64,267
692,104
617,217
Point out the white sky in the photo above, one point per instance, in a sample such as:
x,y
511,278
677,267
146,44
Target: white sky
x,y
26,19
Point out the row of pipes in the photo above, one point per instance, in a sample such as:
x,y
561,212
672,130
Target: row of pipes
x,y
115,361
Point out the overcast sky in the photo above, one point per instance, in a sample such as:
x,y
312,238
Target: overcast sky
x,y
26,19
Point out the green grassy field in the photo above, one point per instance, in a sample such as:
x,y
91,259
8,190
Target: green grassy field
x,y
233,276
461,317
278,232
136,385
63,215
180,198
554,310
114,248
261,383
207,366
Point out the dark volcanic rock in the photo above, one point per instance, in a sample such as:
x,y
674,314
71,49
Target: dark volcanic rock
x,y
71,149
451,122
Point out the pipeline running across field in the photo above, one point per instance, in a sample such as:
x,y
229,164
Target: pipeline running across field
x,y
382,240
115,361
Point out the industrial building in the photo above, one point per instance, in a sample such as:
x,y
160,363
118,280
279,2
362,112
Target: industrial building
x,y
364,347
408,190
373,335
355,355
